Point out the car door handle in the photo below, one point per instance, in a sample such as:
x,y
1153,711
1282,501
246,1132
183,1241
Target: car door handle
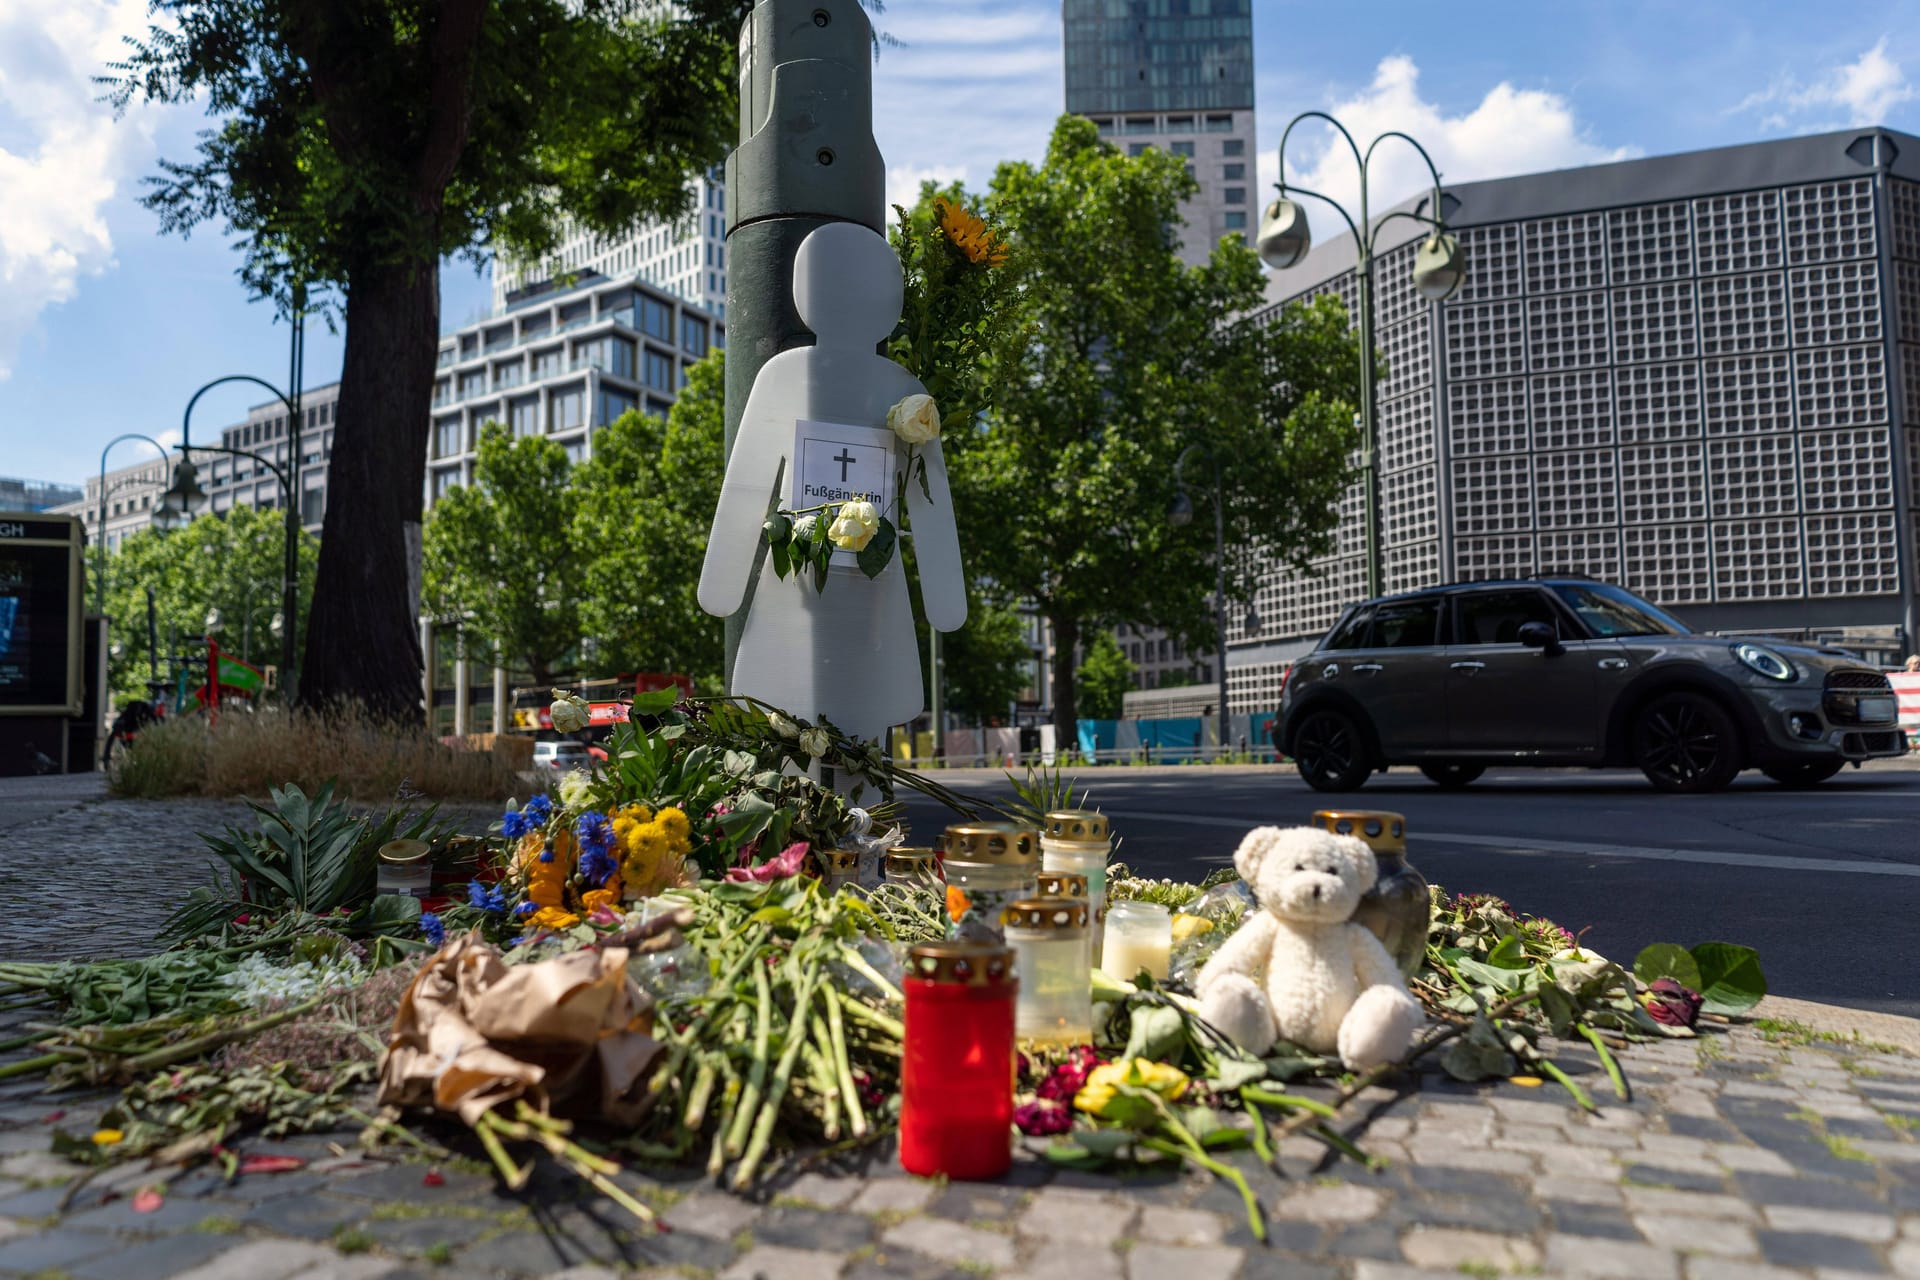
x,y
1468,667
1368,667
1612,664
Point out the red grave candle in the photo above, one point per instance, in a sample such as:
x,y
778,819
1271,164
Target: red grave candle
x,y
956,1076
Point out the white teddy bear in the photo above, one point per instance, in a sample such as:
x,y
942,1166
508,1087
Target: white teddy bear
x,y
1301,970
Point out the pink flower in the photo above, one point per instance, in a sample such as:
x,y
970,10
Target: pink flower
x,y
1043,1118
787,864
1070,1076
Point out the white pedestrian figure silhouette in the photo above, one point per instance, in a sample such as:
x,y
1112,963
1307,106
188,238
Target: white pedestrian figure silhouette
x,y
847,653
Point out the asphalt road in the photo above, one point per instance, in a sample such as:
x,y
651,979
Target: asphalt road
x,y
1824,883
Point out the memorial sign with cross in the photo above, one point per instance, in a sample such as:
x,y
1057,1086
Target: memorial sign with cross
x,y
839,462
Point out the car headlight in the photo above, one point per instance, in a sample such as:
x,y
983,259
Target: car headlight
x,y
1764,661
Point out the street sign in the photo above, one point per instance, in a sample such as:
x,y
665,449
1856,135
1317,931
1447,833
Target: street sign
x,y
40,626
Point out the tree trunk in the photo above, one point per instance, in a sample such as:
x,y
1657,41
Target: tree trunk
x,y
363,631
1066,641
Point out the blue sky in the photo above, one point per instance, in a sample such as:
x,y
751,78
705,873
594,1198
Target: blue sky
x,y
107,326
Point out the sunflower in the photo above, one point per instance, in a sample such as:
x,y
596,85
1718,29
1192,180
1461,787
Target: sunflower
x,y
970,235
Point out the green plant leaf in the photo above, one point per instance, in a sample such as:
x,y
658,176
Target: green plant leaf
x,y
1730,980
782,562
653,703
1668,960
1509,953
879,549
1158,1032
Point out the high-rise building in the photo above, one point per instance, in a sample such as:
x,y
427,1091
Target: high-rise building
x,y
1180,78
686,257
34,495
1696,375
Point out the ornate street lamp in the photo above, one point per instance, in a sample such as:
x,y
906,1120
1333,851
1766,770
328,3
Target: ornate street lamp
x,y
1439,268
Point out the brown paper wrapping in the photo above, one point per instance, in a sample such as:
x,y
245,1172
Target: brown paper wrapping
x,y
571,1035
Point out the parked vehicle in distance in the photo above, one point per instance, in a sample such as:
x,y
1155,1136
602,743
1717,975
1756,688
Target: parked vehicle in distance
x,y
562,754
1560,671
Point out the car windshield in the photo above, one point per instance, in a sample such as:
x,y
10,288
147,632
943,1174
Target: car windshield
x,y
1611,611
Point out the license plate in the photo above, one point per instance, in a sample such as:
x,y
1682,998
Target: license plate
x,y
1874,708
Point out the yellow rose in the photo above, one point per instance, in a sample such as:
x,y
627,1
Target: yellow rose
x,y
915,419
853,528
1104,1081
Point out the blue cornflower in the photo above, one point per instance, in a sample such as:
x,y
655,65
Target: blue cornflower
x,y
515,823
482,898
596,847
541,807
431,926
525,909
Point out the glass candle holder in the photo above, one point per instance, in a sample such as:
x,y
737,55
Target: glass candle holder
x,y
1077,842
1139,936
838,867
1050,957
1399,906
990,866
405,870
957,1065
913,868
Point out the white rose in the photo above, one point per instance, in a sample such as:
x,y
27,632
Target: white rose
x,y
803,528
569,712
573,789
815,742
855,526
915,419
1575,968
783,726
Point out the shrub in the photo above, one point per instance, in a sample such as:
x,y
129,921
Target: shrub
x,y
250,753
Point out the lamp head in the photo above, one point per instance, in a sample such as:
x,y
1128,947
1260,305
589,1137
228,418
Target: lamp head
x,y
165,518
1180,514
185,489
1440,267
1284,236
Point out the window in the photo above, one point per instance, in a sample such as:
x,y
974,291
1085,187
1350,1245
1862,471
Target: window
x,y
1163,650
1181,149
313,506
446,437
1495,617
1609,611
1236,220
525,413
1104,124
485,412
1219,124
1351,632
575,314
614,403
535,326
1233,146
576,451
1140,124
656,319
499,338
546,363
659,371
693,335
442,391
568,410
1179,122
1405,624
1236,195
469,345
473,384
509,373
1138,148
1233,172
445,480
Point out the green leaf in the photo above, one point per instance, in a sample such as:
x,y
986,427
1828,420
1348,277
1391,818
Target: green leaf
x,y
386,913
1730,977
779,529
1073,1155
1159,1031
653,703
782,562
1667,960
1509,953
1558,1008
879,549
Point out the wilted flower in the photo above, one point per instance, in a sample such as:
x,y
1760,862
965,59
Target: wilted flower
x,y
569,712
787,864
915,419
1104,1083
853,528
1575,969
1671,1004
1043,1118
803,528
815,742
782,726
574,788
1069,1077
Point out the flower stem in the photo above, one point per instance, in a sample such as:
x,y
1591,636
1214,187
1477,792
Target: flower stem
x,y
1606,1060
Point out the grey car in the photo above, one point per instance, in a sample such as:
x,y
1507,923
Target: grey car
x,y
1565,671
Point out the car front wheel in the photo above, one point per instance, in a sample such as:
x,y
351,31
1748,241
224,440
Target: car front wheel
x,y
1804,775
1330,752
1452,776
1686,742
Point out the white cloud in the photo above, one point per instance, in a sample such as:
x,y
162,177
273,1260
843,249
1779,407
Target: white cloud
x,y
974,82
62,154
1863,91
1511,131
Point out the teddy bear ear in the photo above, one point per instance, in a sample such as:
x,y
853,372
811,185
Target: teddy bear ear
x,y
1359,855
1253,850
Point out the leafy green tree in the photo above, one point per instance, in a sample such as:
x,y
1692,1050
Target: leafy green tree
x,y
984,664
642,505
231,564
500,558
359,142
1105,677
1134,357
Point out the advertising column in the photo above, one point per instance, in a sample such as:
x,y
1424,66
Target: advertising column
x,y
40,640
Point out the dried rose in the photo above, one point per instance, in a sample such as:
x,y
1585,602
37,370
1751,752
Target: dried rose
x,y
1669,1003
1043,1118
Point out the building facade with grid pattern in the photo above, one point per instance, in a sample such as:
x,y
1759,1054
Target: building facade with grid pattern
x,y
1694,375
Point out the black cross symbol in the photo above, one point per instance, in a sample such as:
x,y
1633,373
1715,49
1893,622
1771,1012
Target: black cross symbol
x,y
845,460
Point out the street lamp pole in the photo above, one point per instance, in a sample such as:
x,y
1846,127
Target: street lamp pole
x,y
100,524
1439,267
1182,513
186,490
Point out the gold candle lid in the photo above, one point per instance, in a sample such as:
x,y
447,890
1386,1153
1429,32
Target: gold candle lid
x,y
965,964
1383,832
1004,843
907,861
1045,913
1062,884
838,861
1077,826
404,851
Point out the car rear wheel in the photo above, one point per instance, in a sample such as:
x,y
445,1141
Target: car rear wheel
x,y
1330,752
1804,775
1686,742
1452,776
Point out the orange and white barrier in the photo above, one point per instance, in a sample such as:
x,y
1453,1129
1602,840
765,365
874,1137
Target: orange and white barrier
x,y
1906,687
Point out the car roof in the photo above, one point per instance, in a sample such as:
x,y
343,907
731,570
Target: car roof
x,y
1454,588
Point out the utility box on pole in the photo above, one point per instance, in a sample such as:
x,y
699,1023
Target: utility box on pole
x,y
806,158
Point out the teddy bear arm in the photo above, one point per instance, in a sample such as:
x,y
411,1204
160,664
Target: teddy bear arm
x,y
1371,963
1246,953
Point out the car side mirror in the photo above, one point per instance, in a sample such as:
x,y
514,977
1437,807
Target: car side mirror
x,y
1539,635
